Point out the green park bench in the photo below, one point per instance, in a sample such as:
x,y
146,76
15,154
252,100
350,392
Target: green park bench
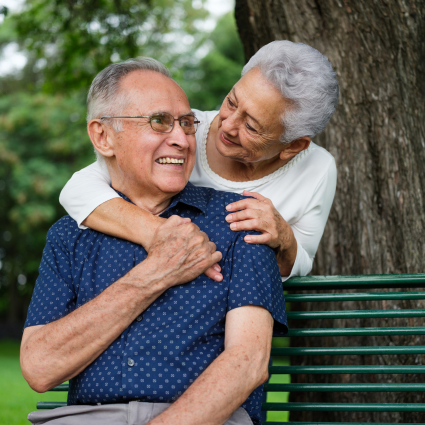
x,y
342,289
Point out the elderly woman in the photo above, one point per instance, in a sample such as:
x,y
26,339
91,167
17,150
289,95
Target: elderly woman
x,y
258,144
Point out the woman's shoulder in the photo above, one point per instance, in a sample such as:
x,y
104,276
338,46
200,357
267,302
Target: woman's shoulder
x,y
205,118
319,160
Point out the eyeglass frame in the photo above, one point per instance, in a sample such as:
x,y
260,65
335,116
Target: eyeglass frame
x,y
155,115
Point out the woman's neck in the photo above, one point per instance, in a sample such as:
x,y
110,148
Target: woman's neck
x,y
234,170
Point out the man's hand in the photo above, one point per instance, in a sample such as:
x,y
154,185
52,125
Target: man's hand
x,y
125,220
180,252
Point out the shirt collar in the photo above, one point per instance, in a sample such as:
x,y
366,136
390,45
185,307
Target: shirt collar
x,y
190,195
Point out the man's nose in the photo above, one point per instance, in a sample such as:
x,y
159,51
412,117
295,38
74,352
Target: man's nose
x,y
178,137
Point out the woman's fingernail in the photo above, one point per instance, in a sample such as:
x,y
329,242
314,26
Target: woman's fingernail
x,y
229,207
247,238
216,267
218,277
233,226
229,217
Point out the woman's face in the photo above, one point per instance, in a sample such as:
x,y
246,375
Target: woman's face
x,y
249,120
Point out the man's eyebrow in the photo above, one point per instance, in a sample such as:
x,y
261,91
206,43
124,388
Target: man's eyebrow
x,y
190,113
254,119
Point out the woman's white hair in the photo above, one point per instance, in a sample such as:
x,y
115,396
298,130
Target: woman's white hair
x,y
104,97
306,79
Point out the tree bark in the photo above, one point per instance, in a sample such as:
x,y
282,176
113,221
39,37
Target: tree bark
x,y
377,136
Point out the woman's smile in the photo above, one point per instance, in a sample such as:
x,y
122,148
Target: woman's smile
x,y
227,141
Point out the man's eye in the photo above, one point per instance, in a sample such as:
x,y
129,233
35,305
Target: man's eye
x,y
157,120
230,102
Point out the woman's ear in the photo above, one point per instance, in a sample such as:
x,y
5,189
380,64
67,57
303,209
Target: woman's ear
x,y
100,138
294,148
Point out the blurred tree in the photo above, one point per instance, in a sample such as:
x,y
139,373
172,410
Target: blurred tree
x,y
72,40
377,136
209,81
42,141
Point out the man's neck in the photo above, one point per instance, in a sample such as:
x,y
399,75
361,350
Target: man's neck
x,y
149,199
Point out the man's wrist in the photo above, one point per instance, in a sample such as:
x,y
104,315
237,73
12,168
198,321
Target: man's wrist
x,y
144,280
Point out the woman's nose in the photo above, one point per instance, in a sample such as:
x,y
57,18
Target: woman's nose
x,y
230,123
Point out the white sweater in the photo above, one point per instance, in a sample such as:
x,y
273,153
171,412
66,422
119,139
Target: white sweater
x,y
302,191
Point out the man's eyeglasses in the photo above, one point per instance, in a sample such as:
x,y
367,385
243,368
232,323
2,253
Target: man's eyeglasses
x,y
164,123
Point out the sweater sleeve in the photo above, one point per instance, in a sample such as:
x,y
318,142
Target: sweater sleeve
x,y
309,229
86,190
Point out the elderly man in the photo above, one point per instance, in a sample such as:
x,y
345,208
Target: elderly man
x,y
149,338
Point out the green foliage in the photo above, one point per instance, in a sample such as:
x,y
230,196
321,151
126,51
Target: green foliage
x,y
42,142
209,81
74,39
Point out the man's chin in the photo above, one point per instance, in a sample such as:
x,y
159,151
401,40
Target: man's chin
x,y
172,187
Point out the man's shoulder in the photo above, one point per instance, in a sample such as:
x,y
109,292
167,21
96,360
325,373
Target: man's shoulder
x,y
65,231
216,200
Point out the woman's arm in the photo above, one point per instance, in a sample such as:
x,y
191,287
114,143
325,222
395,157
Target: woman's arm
x,y
89,199
295,244
124,220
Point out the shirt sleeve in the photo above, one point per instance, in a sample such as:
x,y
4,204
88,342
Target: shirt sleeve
x,y
86,190
54,295
255,280
309,229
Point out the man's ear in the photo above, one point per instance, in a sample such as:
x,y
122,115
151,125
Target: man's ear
x,y
100,137
294,148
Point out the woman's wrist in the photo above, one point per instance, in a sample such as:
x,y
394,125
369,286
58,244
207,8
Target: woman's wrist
x,y
147,228
286,253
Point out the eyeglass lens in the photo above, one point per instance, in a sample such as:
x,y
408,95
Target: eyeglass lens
x,y
164,123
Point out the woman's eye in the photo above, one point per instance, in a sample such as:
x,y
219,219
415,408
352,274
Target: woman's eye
x,y
250,128
230,102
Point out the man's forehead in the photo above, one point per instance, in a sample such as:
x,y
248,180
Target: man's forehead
x,y
154,92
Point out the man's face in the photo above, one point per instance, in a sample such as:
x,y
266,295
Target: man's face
x,y
139,150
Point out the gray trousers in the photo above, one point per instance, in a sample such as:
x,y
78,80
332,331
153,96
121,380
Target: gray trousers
x,y
133,413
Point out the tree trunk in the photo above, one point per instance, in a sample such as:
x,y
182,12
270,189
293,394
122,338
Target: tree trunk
x,y
377,137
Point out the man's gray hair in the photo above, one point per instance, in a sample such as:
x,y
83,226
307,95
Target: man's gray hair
x,y
104,98
306,79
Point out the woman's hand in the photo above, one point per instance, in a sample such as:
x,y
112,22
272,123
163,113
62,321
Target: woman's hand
x,y
259,214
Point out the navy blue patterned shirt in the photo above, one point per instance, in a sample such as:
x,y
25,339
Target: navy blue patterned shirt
x,y
175,339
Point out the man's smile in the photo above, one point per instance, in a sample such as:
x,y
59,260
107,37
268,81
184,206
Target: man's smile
x,y
170,160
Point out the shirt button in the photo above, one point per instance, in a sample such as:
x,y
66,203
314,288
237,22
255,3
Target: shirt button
x,y
130,362
139,318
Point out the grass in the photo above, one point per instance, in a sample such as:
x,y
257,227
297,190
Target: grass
x,y
17,399
279,379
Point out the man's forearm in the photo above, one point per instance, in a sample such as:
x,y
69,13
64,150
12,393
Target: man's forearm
x,y
60,350
231,377
218,392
